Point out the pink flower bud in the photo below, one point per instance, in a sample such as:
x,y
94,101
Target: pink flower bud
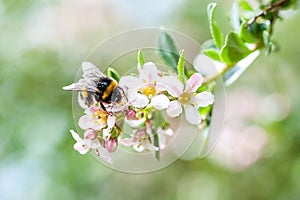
x,y
111,145
131,114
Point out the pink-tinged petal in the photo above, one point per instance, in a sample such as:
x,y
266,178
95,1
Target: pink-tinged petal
x,y
170,84
138,147
168,132
91,110
111,145
174,109
76,137
160,102
129,141
81,148
85,122
140,101
147,145
149,72
130,84
194,82
80,144
140,133
204,99
135,123
111,120
105,154
106,132
90,134
192,115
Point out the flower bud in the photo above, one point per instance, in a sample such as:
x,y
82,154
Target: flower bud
x,y
131,114
111,145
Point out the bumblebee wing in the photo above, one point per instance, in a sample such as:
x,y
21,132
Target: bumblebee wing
x,y
82,85
91,72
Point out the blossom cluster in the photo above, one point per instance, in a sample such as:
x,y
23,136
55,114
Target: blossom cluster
x,y
151,97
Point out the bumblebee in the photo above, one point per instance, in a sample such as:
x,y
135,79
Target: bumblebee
x,y
94,87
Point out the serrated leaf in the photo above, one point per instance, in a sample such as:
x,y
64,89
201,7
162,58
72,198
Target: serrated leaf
x,y
180,67
212,53
141,60
168,50
113,74
234,49
245,33
213,26
235,72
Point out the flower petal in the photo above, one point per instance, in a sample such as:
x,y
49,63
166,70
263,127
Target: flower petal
x,y
138,147
93,144
148,73
140,101
75,136
80,144
192,115
90,134
105,154
106,132
135,123
171,84
130,84
148,145
204,99
194,82
174,109
81,148
160,102
85,122
91,110
129,141
111,121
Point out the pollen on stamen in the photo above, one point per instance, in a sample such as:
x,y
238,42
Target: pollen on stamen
x,y
149,91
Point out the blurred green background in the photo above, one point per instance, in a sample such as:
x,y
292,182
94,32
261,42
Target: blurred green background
x,y
42,46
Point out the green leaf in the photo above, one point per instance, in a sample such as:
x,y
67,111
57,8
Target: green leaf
x,y
141,60
213,26
246,6
212,53
113,74
168,50
234,49
239,68
180,67
245,33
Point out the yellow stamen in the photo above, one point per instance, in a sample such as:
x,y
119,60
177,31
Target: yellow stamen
x,y
184,98
149,91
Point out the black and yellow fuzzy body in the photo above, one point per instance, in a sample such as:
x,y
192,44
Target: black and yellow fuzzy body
x,y
94,87
108,91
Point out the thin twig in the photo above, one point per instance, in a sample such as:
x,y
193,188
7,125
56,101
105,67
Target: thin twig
x,y
268,9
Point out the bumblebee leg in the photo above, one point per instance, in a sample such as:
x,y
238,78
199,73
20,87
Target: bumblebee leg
x,y
103,107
